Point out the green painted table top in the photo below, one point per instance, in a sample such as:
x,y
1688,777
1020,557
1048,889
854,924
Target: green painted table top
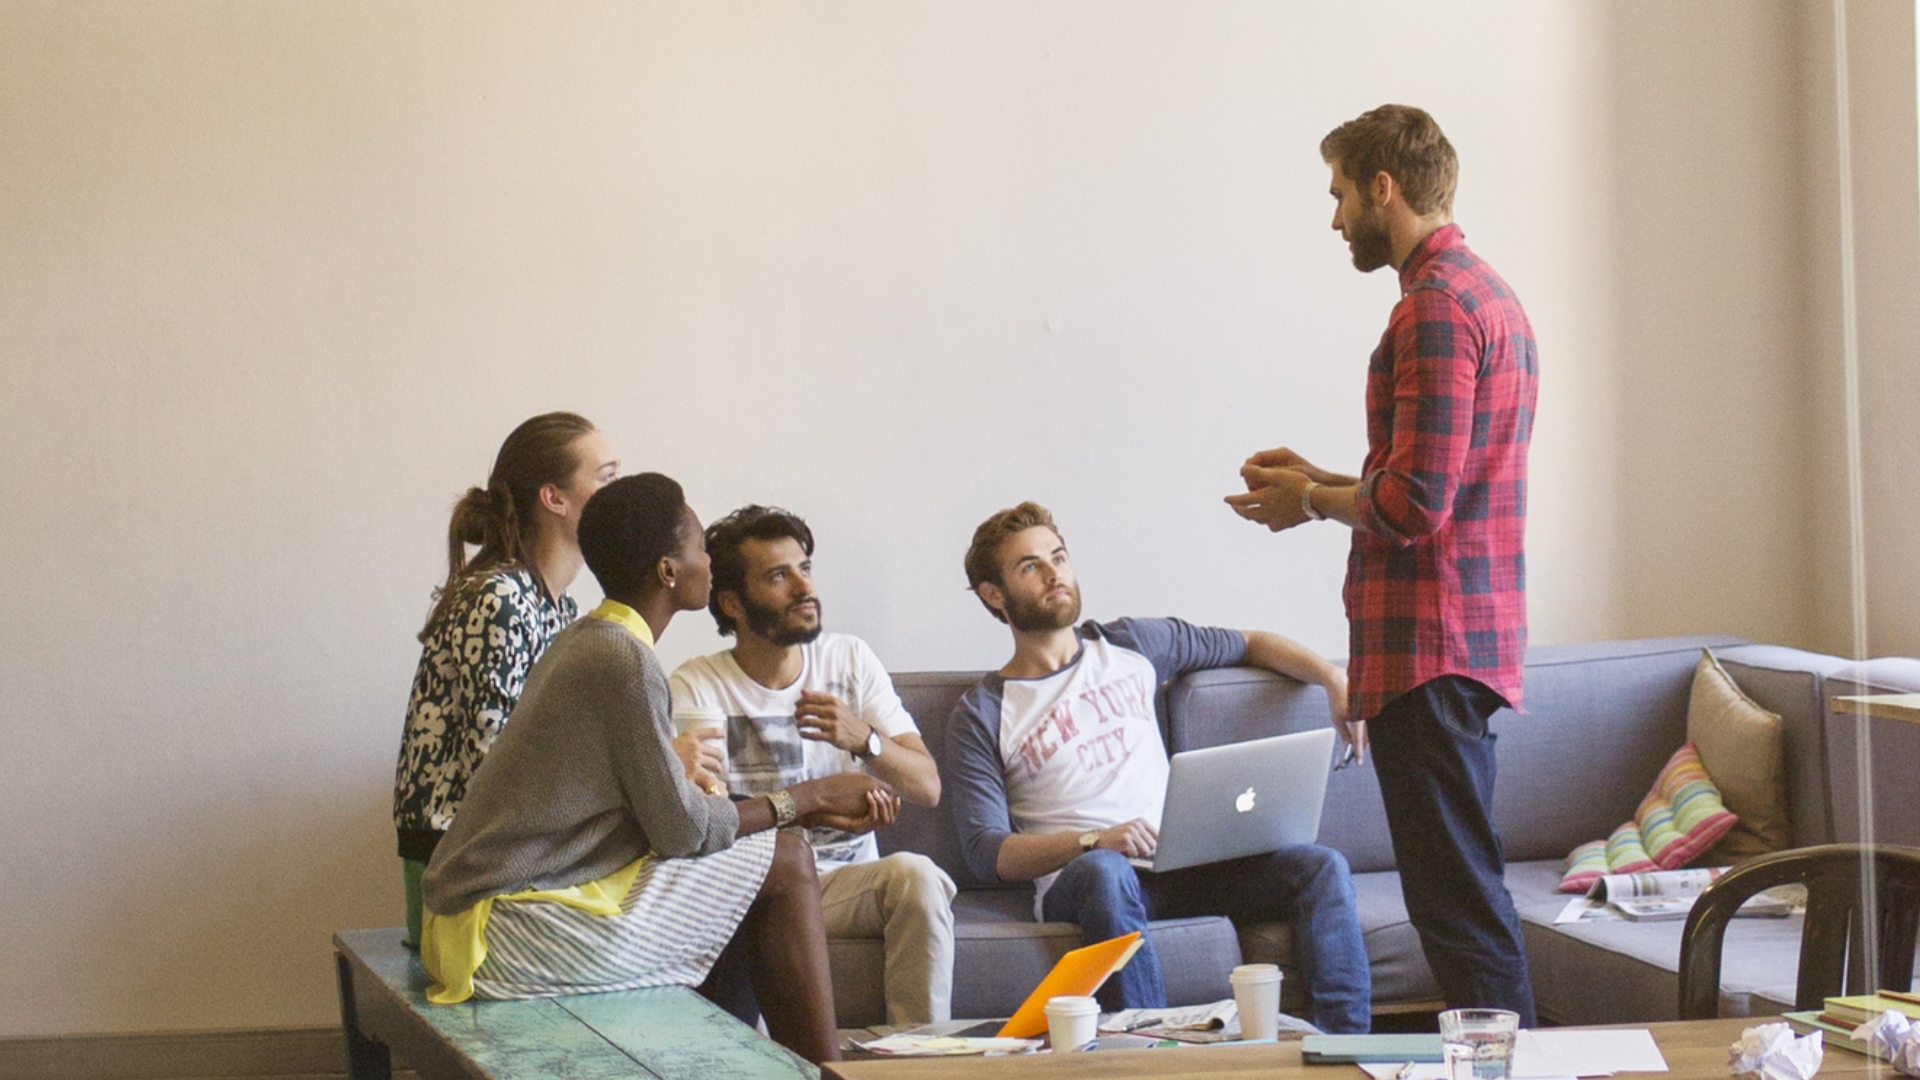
x,y
667,1032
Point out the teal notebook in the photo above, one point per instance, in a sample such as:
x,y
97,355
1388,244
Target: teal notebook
x,y
1352,1049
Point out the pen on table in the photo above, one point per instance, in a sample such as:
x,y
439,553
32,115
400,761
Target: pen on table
x,y
1403,1071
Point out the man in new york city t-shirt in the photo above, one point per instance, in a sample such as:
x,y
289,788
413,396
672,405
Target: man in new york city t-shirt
x,y
1057,771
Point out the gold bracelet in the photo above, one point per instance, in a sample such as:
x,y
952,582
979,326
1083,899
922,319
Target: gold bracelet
x,y
784,812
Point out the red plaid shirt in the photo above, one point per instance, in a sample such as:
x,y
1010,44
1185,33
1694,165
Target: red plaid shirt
x,y
1436,581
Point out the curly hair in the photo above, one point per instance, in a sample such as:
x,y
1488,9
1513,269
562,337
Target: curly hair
x,y
628,527
725,539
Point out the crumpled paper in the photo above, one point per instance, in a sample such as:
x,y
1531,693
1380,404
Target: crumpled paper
x,y
1895,1038
1772,1052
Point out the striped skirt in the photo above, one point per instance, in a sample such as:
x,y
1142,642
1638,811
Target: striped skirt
x,y
672,925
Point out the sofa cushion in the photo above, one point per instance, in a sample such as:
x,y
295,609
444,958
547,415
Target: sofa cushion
x,y
1740,747
1683,815
1586,864
1621,972
1792,683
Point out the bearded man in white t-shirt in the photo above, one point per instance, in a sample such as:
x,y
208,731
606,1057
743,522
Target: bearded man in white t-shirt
x,y
1059,773
802,704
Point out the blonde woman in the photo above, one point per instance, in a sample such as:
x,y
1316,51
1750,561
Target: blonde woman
x,y
492,618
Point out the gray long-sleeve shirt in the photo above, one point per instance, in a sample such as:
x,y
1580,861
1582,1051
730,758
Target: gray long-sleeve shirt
x,y
581,783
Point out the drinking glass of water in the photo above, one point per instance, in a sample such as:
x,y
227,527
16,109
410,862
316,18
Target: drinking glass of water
x,y
1479,1043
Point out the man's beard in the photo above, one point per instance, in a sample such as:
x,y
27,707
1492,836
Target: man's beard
x,y
1039,616
771,622
1372,245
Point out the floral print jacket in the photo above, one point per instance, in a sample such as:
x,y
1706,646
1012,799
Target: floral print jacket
x,y
472,669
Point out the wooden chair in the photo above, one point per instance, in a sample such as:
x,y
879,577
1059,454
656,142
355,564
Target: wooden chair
x,y
1833,943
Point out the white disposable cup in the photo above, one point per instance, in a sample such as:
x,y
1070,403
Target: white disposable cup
x,y
1072,1022
1478,1043
696,717
1256,995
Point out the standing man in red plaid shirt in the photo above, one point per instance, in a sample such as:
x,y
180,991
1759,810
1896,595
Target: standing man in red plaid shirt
x,y
1436,581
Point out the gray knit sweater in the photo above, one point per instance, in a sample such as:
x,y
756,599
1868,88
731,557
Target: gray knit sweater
x,y
583,781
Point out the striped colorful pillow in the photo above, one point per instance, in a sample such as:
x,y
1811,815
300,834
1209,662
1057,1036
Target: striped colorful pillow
x,y
1683,815
1678,820
1627,851
1586,864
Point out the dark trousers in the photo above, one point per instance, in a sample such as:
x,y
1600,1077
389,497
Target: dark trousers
x,y
1307,884
1434,757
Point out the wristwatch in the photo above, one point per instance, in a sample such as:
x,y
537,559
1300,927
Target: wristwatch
x,y
1306,503
873,747
1089,840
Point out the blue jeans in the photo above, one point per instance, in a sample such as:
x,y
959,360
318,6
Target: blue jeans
x,y
1434,757
1307,884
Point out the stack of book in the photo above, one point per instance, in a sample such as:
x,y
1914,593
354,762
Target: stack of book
x,y
1841,1015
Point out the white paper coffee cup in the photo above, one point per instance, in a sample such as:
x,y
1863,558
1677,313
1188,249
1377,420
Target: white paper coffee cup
x,y
1256,994
696,717
1072,1022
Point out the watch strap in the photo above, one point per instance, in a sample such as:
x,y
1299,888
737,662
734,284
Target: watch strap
x,y
1306,503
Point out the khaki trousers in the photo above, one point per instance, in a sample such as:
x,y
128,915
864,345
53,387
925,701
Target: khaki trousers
x,y
907,901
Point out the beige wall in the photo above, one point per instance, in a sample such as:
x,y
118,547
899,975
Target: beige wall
x,y
277,278
1887,261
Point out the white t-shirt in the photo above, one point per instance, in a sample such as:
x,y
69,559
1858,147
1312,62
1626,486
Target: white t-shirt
x,y
764,749
1082,746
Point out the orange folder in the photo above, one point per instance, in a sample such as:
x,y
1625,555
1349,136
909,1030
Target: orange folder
x,y
1078,974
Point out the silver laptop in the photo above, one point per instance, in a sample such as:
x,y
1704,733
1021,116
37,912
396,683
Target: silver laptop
x,y
1245,798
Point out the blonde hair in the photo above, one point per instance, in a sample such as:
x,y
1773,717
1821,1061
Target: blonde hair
x,y
502,517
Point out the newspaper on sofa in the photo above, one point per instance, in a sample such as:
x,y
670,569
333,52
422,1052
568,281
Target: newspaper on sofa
x,y
1656,895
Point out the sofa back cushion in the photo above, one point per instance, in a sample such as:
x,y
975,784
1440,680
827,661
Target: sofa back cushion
x,y
1893,747
1624,702
1792,683
930,696
1228,705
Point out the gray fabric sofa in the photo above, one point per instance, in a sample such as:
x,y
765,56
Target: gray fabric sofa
x,y
1601,720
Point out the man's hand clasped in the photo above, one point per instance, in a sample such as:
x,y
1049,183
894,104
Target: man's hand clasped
x,y
1276,479
852,802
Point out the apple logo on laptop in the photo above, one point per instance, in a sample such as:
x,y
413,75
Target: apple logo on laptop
x,y
1244,801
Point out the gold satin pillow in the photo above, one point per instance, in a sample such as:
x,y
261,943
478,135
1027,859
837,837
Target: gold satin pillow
x,y
1742,747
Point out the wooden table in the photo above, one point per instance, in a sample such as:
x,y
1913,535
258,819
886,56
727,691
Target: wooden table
x,y
1694,1049
1891,706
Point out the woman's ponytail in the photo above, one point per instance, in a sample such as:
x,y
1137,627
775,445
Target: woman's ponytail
x,y
500,519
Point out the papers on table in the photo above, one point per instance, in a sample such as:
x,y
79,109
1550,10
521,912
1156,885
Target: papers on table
x,y
904,1045
1596,1053
1554,1055
1214,1017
